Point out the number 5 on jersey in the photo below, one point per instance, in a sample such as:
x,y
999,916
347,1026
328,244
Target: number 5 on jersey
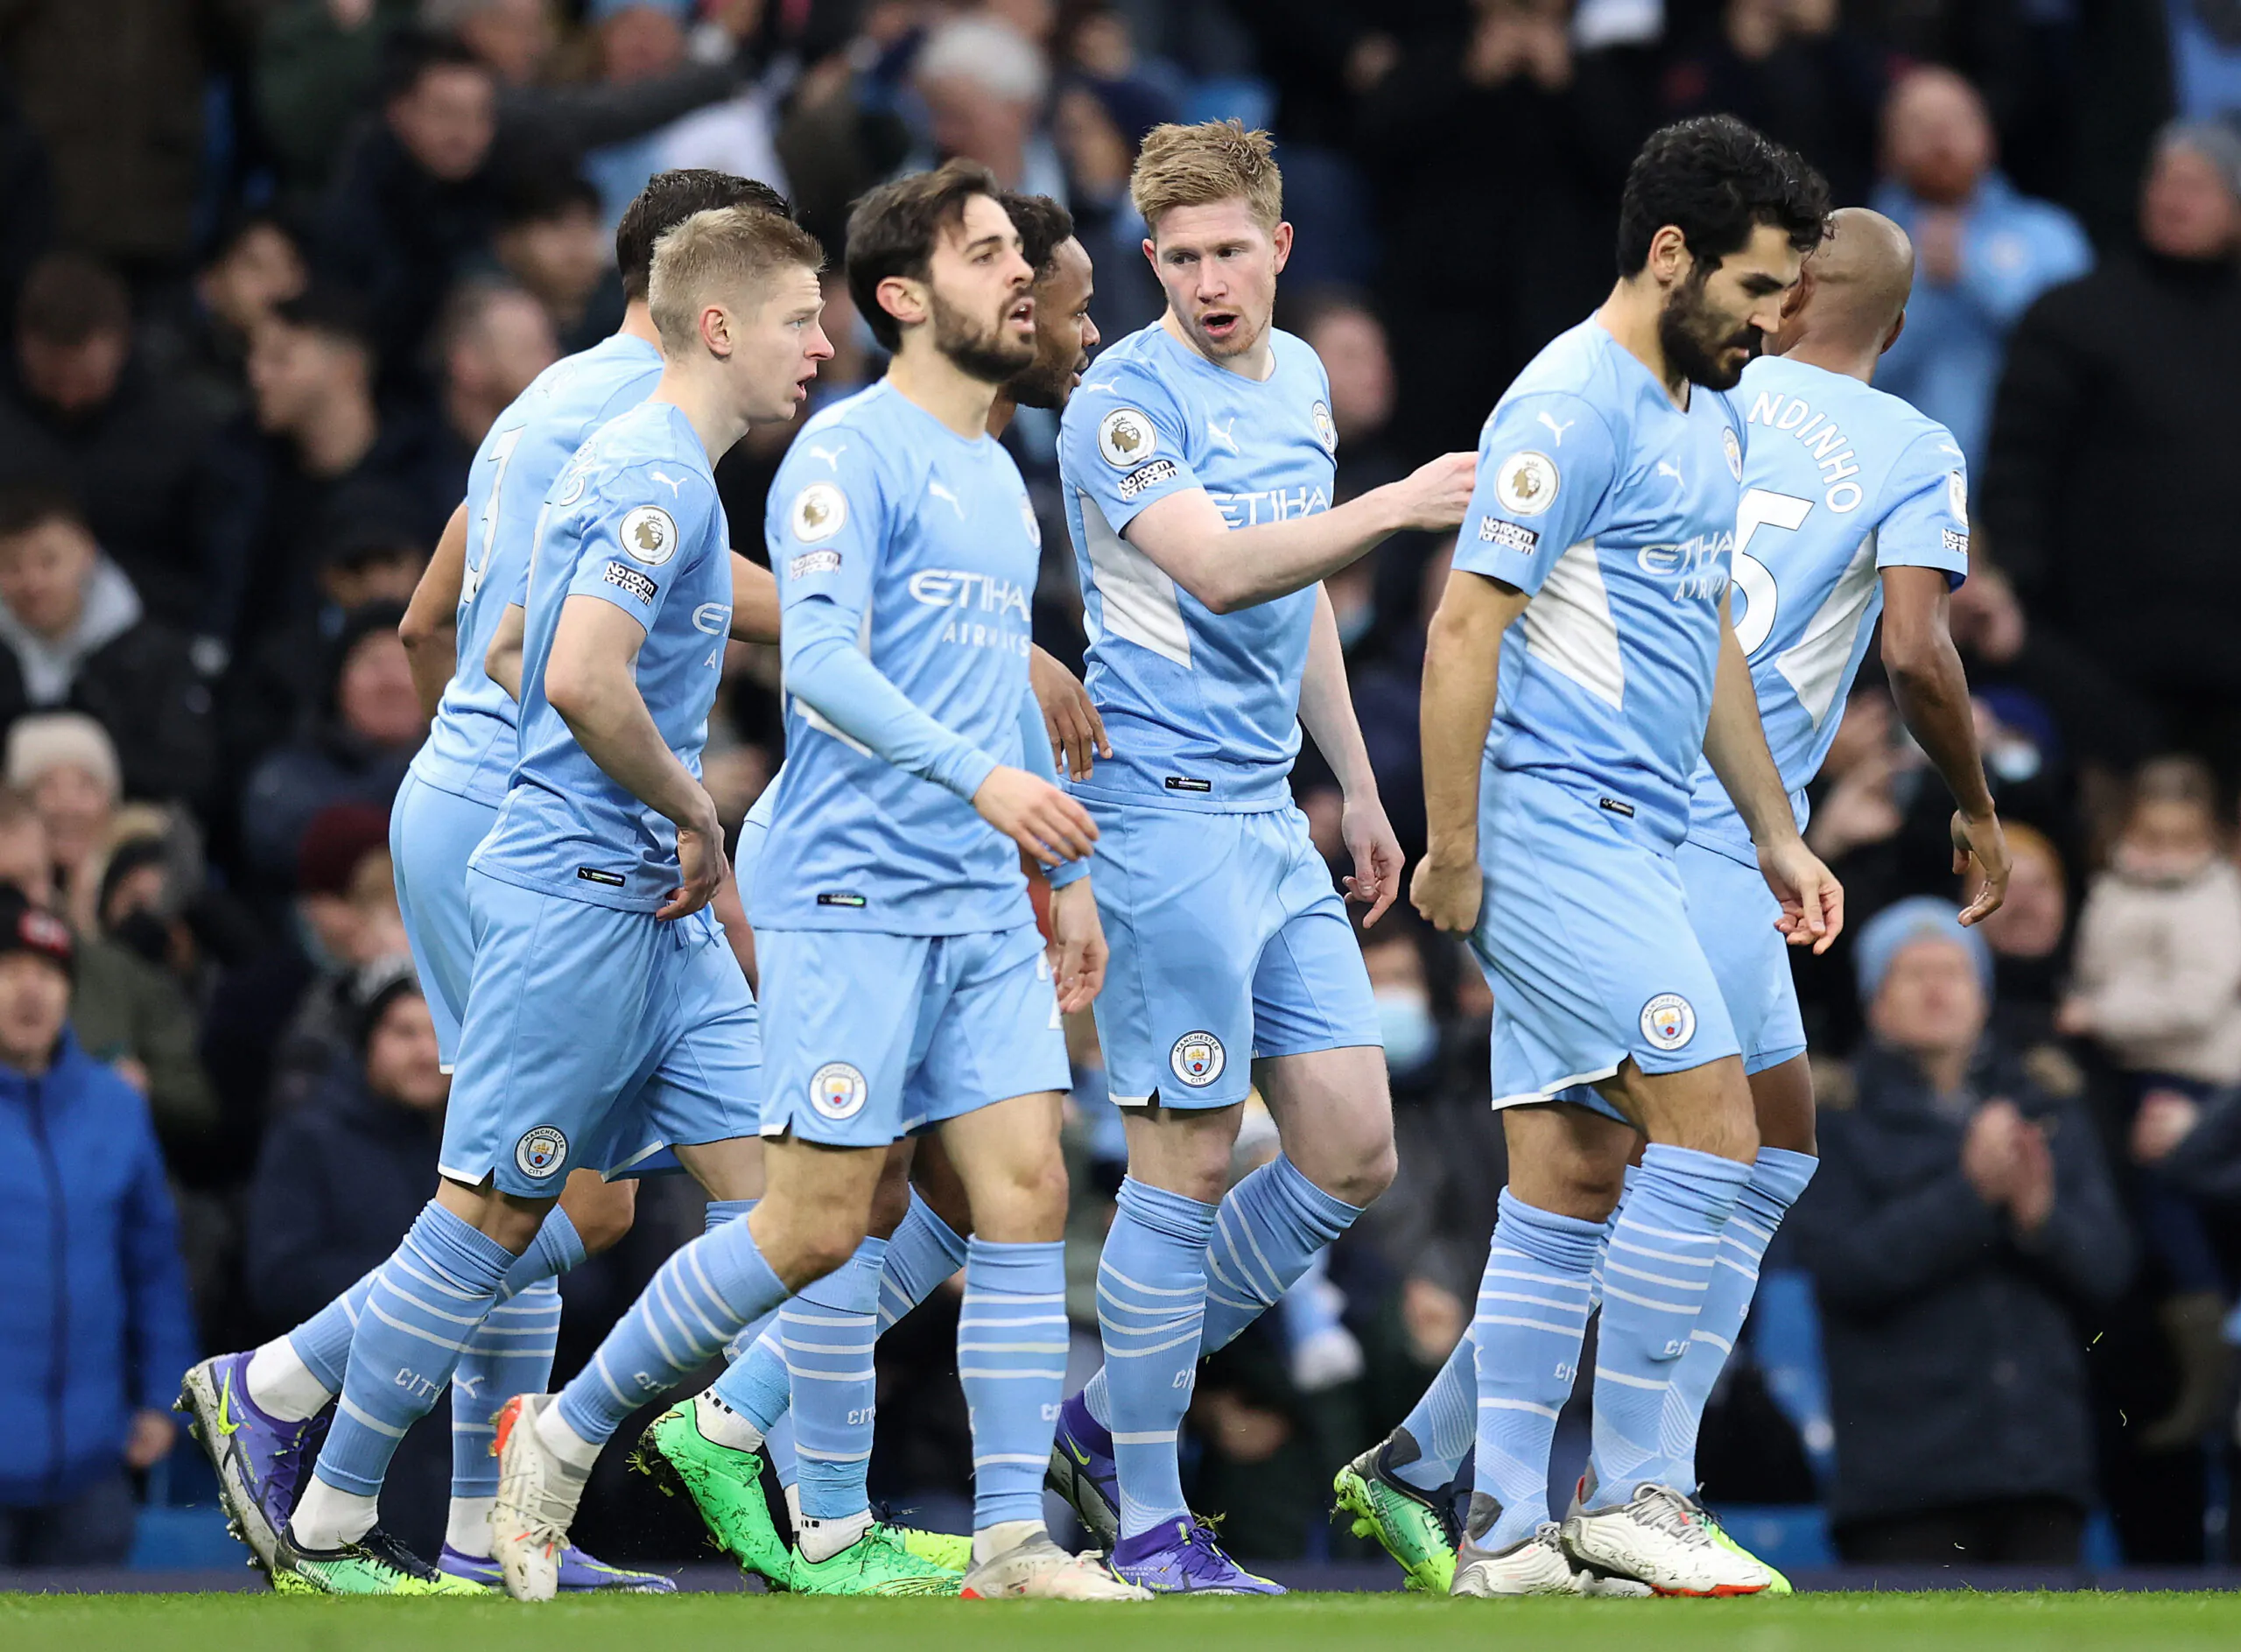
x,y
1761,508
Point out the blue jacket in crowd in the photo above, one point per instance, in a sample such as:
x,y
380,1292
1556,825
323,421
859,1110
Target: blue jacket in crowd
x,y
95,1323
1946,362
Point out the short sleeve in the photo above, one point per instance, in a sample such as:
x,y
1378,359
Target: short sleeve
x,y
1121,442
1927,525
1546,467
828,521
644,526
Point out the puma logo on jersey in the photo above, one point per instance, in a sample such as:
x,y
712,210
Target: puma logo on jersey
x,y
1555,431
938,491
830,455
1664,468
1222,433
675,485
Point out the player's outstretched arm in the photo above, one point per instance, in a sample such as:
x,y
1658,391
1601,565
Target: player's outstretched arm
x,y
502,661
1230,568
1932,693
590,679
1462,668
1326,711
1735,744
428,628
754,602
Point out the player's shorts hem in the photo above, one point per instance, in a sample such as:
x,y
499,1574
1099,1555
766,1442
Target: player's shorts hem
x,y
471,1178
1754,1065
443,1067
1548,1092
1316,1046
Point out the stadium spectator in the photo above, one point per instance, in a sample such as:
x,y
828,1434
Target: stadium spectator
x,y
1983,251
329,450
128,1011
492,339
338,1174
551,241
368,726
314,69
414,198
2029,937
1501,93
984,84
257,262
95,1327
85,414
2116,408
73,635
66,764
1961,1229
118,89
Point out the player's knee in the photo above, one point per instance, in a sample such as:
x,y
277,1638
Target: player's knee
x,y
1364,1174
890,1200
602,1213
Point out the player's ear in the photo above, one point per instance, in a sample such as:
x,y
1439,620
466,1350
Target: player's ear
x,y
1669,258
1151,254
903,299
1282,239
1897,327
716,331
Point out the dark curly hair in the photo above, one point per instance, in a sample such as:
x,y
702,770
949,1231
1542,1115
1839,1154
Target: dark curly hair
x,y
1042,222
1715,179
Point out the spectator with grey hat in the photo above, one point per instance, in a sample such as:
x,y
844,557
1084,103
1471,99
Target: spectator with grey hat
x,y
2117,424
95,1327
1962,1235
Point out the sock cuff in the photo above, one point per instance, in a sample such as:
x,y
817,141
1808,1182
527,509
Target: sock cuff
x,y
721,1210
457,1249
1024,1268
945,1238
732,1262
1568,1242
1665,1168
1319,1213
559,1242
1170,1215
1782,1175
854,1286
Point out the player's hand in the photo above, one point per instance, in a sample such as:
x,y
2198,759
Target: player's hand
x,y
1812,900
700,862
1036,815
1376,879
1077,732
1982,844
1434,496
1080,937
1446,890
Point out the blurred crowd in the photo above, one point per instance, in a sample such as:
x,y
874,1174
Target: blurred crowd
x,y
269,268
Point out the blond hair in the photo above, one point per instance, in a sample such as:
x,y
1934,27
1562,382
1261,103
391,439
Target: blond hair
x,y
724,255
1198,166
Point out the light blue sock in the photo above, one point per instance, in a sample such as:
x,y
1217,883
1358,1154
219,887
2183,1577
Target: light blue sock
x,y
1011,1357
721,1210
1445,1421
510,1353
322,1342
700,1300
778,1451
1152,1307
1777,1181
1533,1308
925,1251
827,1334
1270,1226
1660,1264
429,1298
1610,1226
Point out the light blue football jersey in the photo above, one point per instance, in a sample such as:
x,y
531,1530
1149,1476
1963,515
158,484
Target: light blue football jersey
x,y
1840,481
633,520
924,546
471,747
1615,510
1203,707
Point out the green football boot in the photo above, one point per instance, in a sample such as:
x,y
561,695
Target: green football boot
x,y
879,1561
1409,1524
376,1564
1780,1585
725,1485
942,1548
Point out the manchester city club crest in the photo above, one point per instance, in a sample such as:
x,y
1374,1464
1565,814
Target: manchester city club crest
x,y
1197,1058
541,1152
1326,431
838,1091
1669,1022
1734,452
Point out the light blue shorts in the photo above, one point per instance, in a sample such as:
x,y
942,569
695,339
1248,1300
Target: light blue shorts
x,y
1586,940
1733,913
431,833
873,1036
593,1039
1228,943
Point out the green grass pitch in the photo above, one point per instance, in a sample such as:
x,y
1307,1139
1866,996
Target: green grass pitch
x,y
1302,1623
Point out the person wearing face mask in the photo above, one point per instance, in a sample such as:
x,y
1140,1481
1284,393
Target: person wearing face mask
x,y
2157,984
